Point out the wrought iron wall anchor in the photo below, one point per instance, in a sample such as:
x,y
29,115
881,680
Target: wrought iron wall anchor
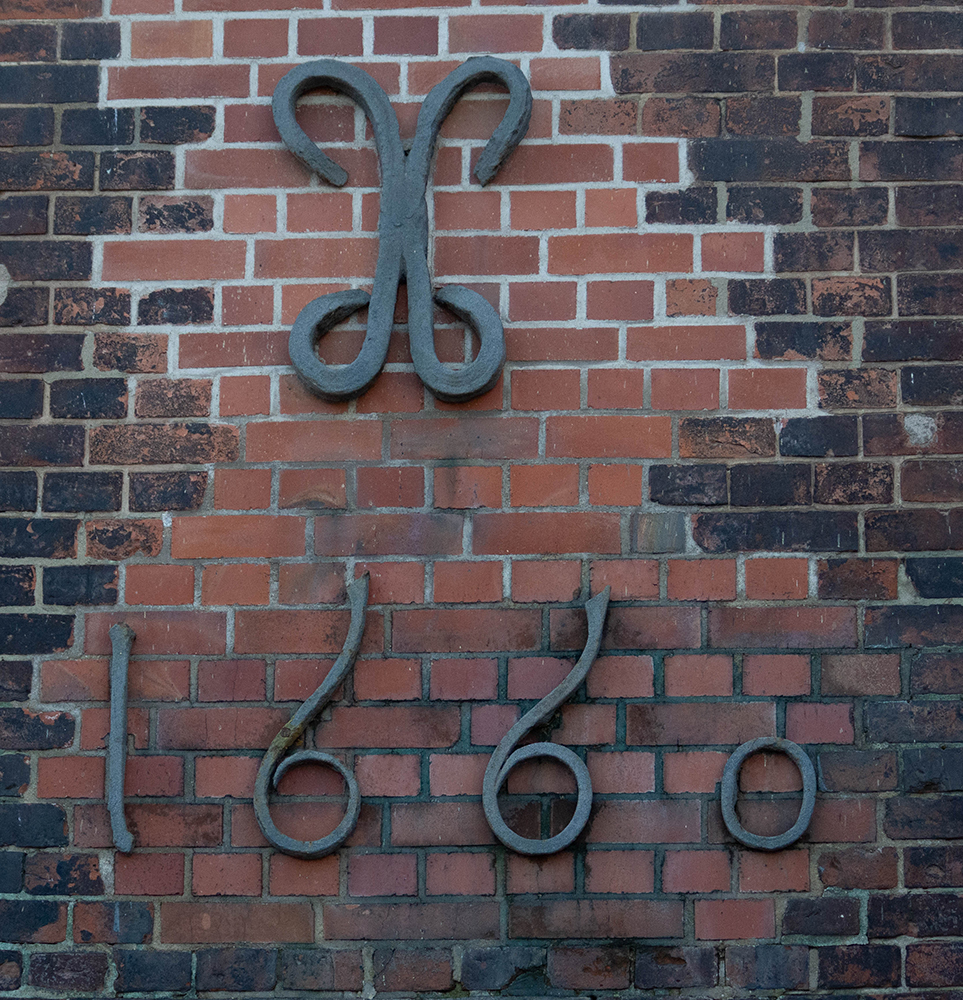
x,y
506,757
730,791
402,230
121,639
273,766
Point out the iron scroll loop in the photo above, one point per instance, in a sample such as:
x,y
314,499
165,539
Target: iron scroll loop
x,y
402,230
275,763
506,757
730,791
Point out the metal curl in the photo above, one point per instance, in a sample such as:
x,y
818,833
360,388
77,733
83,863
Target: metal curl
x,y
121,639
402,231
730,792
274,763
506,757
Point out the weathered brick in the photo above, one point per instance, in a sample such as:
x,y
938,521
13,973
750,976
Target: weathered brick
x,y
92,215
696,72
136,171
172,214
176,124
91,306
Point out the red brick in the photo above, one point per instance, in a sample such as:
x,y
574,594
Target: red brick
x,y
702,579
777,579
595,918
685,389
388,774
173,260
652,821
620,300
619,253
621,677
695,871
460,680
216,777
70,777
218,728
861,674
158,632
540,874
531,584
312,488
387,680
621,772
614,486
767,389
466,486
149,874
250,213
782,627
411,921
456,774
577,73
495,438
734,919
734,252
390,727
544,485
154,776
541,301
778,674
467,582
510,533
388,534
233,348
228,923
608,437
629,628
95,727
231,680
383,875
697,771
784,871
299,877
394,583
432,824
619,871
226,875
686,343
697,724
144,83
255,38
495,33
242,306
607,207
236,536
242,489
330,36
165,40
483,255
696,675
314,441
690,297
456,630
601,116
155,584
810,723
615,388
545,389
459,874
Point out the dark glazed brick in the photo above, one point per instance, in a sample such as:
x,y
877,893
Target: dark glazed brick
x,y
929,294
15,676
908,530
695,206
11,865
137,171
21,729
175,125
847,207
767,966
28,920
911,160
28,43
903,71
818,437
321,969
26,538
144,971
912,722
424,969
59,84
41,352
668,967
659,32
800,340
814,251
935,385
769,485
923,819
16,590
46,260
935,963
691,73
29,825
935,578
55,874
762,115
82,491
14,779
69,971
929,116
24,307
898,250
930,30
91,306
937,673
917,914
496,968
767,297
67,586
766,29
778,531
931,770
855,965
88,398
683,485
26,126
97,126
857,389
932,481
24,216
859,868
168,214
45,171
11,970
18,491
857,579
929,205
832,29
90,40
21,399
764,205
768,160
237,968
41,444
913,340
167,490
858,771
177,307
591,31
807,71
930,625
933,867
853,483
92,216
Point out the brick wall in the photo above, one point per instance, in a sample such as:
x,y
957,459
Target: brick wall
x,y
728,263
